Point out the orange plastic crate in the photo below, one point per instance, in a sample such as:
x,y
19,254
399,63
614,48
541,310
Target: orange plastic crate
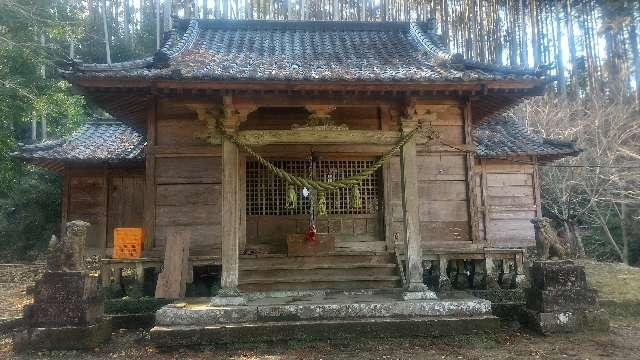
x,y
127,243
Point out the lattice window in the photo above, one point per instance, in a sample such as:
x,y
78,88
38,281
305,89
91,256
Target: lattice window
x,y
266,193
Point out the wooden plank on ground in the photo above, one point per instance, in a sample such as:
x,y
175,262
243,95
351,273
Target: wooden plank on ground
x,y
172,281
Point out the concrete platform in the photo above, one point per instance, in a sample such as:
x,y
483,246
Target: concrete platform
x,y
320,315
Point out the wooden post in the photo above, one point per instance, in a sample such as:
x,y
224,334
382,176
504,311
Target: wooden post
x,y
471,180
230,221
388,214
412,239
150,180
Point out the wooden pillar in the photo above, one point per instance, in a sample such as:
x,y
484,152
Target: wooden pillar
x,y
410,209
230,220
471,179
149,211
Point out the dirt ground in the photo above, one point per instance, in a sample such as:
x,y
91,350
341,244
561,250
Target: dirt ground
x,y
511,342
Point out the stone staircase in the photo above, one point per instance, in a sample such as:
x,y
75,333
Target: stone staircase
x,y
335,271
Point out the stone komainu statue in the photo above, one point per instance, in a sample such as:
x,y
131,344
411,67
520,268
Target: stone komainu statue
x,y
548,244
67,254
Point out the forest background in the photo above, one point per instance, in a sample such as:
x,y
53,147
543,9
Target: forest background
x,y
590,46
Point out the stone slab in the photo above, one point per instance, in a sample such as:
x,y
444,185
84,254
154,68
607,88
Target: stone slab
x,y
550,275
318,308
552,322
398,309
419,295
562,300
297,245
63,338
163,336
205,315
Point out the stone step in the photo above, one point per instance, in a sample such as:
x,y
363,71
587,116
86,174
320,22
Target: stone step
x,y
306,285
352,258
312,273
181,335
319,308
262,267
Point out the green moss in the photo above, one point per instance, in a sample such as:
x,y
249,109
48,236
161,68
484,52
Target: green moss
x,y
134,306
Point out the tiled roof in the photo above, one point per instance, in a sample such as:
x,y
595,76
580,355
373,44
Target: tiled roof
x,y
502,135
304,51
101,142
98,142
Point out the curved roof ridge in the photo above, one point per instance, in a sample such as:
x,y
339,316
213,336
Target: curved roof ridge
x,y
432,45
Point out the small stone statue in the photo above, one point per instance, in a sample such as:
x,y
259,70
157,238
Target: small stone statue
x,y
67,254
547,242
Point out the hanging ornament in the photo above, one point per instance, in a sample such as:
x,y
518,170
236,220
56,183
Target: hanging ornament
x,y
356,199
292,197
321,204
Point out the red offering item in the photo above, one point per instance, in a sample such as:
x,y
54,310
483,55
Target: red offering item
x,y
311,233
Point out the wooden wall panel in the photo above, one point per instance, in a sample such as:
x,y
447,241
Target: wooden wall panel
x,y
126,203
87,202
188,194
189,170
510,203
173,132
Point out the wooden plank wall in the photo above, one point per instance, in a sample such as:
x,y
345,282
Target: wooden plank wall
x,y
508,195
188,182
126,201
444,215
106,198
87,202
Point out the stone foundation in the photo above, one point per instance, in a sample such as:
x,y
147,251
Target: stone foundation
x,y
559,300
319,315
66,314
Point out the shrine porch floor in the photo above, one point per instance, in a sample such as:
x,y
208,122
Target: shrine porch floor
x,y
320,314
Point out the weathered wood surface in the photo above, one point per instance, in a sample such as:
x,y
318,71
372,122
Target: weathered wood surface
x,y
410,211
230,219
126,203
185,170
172,281
87,202
510,201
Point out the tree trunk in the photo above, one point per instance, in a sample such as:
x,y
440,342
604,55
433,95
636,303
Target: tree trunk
x,y
572,48
625,234
562,85
533,17
576,240
107,42
633,40
605,227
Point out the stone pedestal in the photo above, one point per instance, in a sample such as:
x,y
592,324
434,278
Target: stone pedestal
x,y
66,313
560,301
